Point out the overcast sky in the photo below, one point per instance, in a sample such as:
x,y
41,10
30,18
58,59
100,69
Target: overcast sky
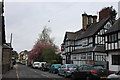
x,y
27,19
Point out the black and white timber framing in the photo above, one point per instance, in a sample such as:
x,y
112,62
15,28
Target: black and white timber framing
x,y
87,46
112,46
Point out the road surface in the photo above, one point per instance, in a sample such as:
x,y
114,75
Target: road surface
x,y
22,72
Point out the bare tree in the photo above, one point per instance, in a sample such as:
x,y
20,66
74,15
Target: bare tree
x,y
45,36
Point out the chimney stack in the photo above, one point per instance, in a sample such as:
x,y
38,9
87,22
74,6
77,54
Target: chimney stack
x,y
87,20
94,19
105,13
90,19
84,21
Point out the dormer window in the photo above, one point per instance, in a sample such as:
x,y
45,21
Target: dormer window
x,y
108,25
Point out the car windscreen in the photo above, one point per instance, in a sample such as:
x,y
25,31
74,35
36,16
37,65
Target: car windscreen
x,y
72,66
58,65
36,63
98,67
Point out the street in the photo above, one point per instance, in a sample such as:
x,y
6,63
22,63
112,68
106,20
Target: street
x,y
80,41
22,72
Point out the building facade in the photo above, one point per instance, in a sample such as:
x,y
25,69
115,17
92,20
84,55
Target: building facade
x,y
112,46
6,52
23,57
87,46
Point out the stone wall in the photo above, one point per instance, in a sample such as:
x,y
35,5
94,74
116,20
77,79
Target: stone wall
x,y
6,60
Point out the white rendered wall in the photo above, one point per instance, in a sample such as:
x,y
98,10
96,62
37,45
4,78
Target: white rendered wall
x,y
113,67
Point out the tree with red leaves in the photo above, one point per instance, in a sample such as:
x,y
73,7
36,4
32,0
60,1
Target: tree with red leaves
x,y
44,49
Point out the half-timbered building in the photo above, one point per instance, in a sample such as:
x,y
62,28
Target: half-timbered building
x,y
69,45
89,47
112,46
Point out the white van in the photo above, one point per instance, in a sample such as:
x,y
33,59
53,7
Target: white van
x,y
36,65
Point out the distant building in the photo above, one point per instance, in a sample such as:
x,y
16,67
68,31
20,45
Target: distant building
x,y
23,57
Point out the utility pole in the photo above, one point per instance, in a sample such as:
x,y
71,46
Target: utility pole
x,y
11,40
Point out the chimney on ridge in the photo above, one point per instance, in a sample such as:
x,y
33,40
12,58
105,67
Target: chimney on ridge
x,y
87,20
105,13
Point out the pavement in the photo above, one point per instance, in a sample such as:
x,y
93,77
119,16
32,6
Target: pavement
x,y
11,74
22,72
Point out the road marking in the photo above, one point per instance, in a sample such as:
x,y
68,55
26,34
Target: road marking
x,y
17,71
45,75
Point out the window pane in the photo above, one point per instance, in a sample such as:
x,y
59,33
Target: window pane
x,y
116,59
115,37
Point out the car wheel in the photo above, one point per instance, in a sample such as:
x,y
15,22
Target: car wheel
x,y
53,72
49,71
72,77
58,74
65,75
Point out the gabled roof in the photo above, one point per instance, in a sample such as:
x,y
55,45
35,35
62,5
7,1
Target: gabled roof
x,y
93,28
7,46
73,35
79,34
69,36
115,27
90,31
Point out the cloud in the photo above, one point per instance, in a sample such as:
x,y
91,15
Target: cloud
x,y
26,20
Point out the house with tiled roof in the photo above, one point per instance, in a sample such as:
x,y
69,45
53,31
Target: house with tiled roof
x,y
112,46
69,44
89,47
88,44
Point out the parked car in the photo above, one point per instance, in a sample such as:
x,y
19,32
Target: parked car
x,y
36,65
90,72
115,76
54,68
46,67
42,65
67,69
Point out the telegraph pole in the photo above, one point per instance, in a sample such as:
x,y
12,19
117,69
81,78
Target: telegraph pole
x,y
11,39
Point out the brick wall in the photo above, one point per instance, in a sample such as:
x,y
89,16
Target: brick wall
x,y
105,13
